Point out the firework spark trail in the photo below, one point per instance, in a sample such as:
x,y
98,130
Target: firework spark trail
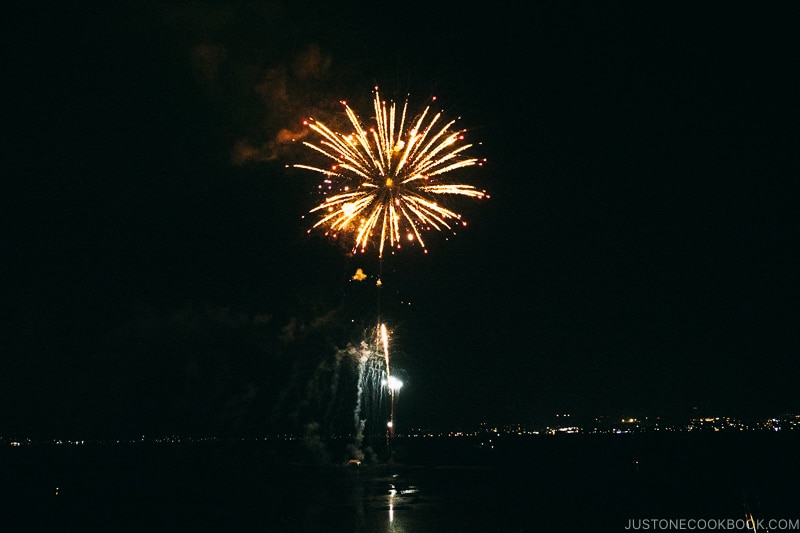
x,y
387,178
384,337
371,384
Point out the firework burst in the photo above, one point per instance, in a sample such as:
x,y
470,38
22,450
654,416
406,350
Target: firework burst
x,y
385,180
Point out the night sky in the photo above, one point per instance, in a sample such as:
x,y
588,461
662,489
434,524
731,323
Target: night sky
x,y
638,254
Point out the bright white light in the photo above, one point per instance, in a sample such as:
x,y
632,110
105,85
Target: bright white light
x,y
394,383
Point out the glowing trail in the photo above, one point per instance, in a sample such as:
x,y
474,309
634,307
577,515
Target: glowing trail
x,y
391,382
385,344
372,357
386,180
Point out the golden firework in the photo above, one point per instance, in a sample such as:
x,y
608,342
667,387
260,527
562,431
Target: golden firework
x,y
385,180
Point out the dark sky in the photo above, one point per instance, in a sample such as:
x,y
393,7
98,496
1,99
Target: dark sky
x,y
638,253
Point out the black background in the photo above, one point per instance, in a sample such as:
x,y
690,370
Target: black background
x,y
637,254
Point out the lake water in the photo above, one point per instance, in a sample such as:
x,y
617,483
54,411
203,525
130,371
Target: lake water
x,y
534,483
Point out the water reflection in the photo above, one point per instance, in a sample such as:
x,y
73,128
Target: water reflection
x,y
369,500
574,485
399,498
396,500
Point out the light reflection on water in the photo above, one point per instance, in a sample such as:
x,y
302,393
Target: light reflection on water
x,y
388,503
407,501
398,498
550,485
